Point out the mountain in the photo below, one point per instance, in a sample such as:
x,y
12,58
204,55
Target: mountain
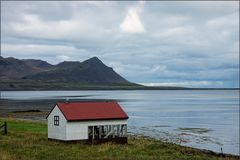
x,y
33,74
91,71
12,68
42,65
67,64
28,74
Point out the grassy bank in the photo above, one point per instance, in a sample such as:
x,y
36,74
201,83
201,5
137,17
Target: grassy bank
x,y
28,140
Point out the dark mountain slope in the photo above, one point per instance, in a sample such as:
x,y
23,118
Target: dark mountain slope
x,y
30,74
11,68
38,64
67,64
91,71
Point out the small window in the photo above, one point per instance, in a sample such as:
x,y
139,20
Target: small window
x,y
56,120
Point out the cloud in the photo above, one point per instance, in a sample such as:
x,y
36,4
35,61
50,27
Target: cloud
x,y
186,84
158,68
146,42
45,52
63,58
31,49
132,22
223,21
33,26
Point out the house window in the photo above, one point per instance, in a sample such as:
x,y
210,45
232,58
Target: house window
x,y
56,120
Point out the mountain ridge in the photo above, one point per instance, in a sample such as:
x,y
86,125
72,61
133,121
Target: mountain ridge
x,y
90,71
91,74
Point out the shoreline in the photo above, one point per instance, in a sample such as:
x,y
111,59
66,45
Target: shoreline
x,y
34,115
134,140
113,89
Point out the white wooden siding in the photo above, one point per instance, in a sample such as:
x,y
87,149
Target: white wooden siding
x,y
57,132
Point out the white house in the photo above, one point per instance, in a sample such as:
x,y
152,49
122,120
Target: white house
x,y
100,121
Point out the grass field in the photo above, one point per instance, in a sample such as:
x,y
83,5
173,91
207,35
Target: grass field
x,y
28,140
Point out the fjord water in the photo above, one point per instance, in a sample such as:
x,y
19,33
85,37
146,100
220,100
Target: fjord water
x,y
206,119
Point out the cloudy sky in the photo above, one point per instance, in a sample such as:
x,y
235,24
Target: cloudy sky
x,y
194,44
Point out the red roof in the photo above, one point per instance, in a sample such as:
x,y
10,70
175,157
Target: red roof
x,y
77,111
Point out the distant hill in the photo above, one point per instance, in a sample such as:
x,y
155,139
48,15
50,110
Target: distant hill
x,y
91,71
12,68
38,74
38,64
32,74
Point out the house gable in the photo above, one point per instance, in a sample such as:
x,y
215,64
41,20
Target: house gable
x,y
55,105
56,131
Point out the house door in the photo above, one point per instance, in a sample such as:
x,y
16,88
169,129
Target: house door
x,y
93,132
90,132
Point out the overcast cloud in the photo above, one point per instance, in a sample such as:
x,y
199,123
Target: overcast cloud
x,y
194,44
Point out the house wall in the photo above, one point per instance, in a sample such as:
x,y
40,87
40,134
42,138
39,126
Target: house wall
x,y
57,132
79,130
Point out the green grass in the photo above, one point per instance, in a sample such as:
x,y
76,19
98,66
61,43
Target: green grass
x,y
28,140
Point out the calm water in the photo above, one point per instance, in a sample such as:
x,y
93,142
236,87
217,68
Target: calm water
x,y
207,119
